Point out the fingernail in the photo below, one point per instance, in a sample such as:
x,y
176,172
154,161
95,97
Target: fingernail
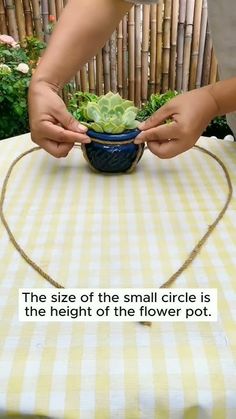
x,y
138,140
82,128
141,126
87,140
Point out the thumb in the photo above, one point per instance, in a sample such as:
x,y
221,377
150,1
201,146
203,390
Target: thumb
x,y
69,122
157,118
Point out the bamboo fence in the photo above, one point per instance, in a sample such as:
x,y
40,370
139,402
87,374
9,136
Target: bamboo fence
x,y
154,49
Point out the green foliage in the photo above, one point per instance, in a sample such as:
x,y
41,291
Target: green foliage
x,y
155,102
218,127
13,105
16,66
78,102
109,113
33,48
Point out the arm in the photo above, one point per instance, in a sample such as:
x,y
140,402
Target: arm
x,y
82,29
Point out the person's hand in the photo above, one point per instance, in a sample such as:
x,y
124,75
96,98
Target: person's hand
x,y
52,127
190,113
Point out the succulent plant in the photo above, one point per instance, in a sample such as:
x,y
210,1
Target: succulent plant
x,y
110,114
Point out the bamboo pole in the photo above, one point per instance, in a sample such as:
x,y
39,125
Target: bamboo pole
x,y
125,57
83,79
59,7
187,44
113,61
214,68
137,55
91,75
99,74
144,53
20,18
207,58
11,17
28,18
202,44
106,67
180,44
195,43
37,19
45,16
119,59
77,82
155,47
166,45
131,50
3,25
52,7
153,42
173,48
159,46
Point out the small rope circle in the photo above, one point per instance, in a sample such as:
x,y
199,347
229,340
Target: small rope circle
x,y
172,278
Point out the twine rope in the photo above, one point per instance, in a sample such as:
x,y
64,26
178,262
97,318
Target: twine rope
x,y
96,140
172,278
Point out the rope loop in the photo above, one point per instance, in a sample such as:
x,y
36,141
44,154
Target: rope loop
x,y
192,255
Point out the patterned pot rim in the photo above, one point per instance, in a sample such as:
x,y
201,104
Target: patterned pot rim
x,y
128,135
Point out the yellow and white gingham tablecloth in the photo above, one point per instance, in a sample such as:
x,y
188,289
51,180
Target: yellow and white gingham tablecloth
x,y
90,230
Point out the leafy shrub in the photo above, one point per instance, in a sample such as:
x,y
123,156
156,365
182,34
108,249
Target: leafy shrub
x,y
218,127
17,63
155,102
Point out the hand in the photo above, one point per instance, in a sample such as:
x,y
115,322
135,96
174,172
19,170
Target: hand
x,y
190,113
52,127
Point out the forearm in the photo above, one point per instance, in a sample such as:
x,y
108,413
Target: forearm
x,y
82,29
224,94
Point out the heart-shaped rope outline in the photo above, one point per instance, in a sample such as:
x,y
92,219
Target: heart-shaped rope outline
x,y
172,278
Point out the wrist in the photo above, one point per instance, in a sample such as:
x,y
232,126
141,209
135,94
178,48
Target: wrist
x,y
214,106
38,81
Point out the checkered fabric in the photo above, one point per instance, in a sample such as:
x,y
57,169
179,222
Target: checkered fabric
x,y
92,230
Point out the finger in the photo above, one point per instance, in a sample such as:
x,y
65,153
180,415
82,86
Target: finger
x,y
157,118
57,150
68,122
168,149
61,135
161,133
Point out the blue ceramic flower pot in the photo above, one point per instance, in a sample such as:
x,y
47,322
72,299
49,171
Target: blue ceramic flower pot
x,y
113,153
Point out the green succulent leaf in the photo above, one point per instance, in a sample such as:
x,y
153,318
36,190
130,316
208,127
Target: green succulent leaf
x,y
109,127
127,103
86,124
129,117
132,125
132,109
104,101
93,112
108,95
119,109
115,100
110,114
119,129
104,109
96,127
84,113
115,119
